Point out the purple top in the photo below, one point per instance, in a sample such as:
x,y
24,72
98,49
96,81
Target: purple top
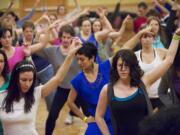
x,y
177,86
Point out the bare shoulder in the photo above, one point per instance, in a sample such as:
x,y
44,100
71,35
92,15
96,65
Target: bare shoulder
x,y
161,52
104,90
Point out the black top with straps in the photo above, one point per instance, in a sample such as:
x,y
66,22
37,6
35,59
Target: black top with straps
x,y
126,113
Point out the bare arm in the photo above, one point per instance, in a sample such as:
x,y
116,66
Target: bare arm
x,y
29,15
43,17
8,9
164,10
122,29
100,35
100,111
62,71
150,77
71,103
130,44
44,39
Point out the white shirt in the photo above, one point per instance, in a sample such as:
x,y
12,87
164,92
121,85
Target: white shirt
x,y
18,122
153,90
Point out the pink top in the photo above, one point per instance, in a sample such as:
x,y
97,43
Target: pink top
x,y
56,42
138,22
17,57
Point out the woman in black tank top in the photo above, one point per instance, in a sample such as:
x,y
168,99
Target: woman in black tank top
x,y
126,94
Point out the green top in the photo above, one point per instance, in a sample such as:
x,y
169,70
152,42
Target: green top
x,y
2,89
5,85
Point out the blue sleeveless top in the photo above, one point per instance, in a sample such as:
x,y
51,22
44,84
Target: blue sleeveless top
x,y
92,39
89,91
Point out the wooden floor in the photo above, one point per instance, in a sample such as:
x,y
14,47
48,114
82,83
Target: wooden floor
x,y
77,128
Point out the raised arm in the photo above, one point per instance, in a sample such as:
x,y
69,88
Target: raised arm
x,y
161,7
130,44
44,39
150,77
8,9
75,11
100,35
100,111
62,71
122,29
43,17
29,15
118,35
65,21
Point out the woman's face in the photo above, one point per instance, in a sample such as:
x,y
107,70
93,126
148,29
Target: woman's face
x,y
155,26
123,69
1,63
86,27
28,33
147,40
26,81
6,40
96,26
84,62
52,18
61,10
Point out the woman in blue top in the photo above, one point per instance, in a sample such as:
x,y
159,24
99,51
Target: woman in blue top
x,y
87,85
4,79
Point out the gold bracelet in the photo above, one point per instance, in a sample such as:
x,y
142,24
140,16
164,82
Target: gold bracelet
x,y
176,37
85,119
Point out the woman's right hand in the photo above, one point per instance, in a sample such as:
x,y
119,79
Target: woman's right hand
x,y
75,45
147,30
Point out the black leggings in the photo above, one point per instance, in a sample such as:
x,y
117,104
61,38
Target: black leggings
x,y
59,100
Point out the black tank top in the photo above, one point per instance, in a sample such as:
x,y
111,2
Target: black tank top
x,y
128,112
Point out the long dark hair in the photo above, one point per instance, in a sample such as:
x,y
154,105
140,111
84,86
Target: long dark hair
x,y
6,67
3,31
14,90
129,58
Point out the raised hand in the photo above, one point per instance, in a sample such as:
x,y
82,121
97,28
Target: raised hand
x,y
155,2
12,3
147,30
75,45
100,12
85,11
36,3
127,19
45,16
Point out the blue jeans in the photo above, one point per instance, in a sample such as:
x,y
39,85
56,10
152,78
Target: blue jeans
x,y
44,76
